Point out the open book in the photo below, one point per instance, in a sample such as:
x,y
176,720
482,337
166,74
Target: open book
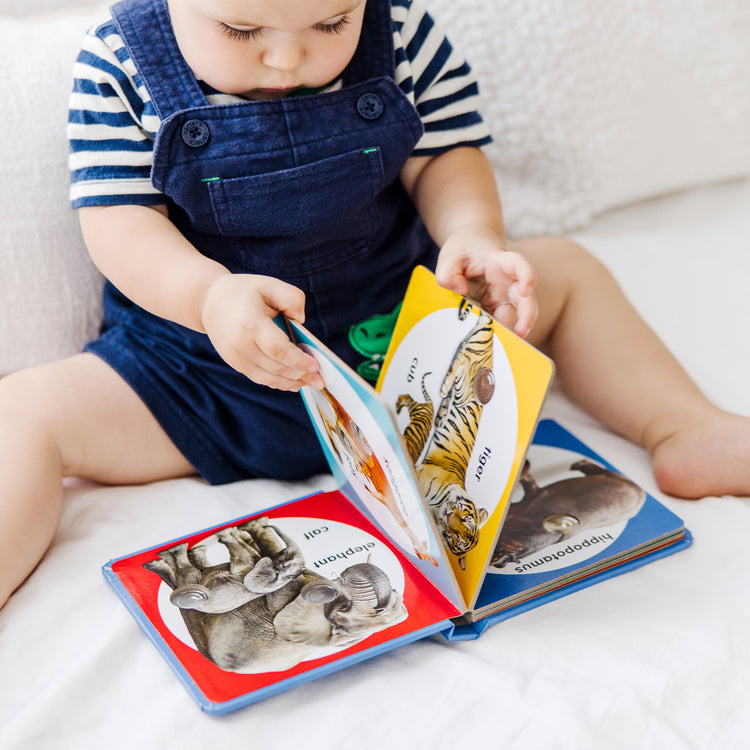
x,y
447,518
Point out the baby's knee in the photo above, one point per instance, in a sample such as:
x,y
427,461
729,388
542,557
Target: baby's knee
x,y
15,392
567,250
583,265
562,257
23,401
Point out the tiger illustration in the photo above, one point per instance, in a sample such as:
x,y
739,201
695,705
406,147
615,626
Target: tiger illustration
x,y
467,386
421,414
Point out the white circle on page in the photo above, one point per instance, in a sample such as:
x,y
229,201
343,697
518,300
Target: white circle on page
x,y
548,465
423,358
329,547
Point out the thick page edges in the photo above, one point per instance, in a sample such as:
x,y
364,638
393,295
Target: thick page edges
x,y
470,631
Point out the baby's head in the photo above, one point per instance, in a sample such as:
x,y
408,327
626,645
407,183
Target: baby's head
x,y
264,49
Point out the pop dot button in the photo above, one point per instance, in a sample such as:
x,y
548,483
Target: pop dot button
x,y
195,133
370,106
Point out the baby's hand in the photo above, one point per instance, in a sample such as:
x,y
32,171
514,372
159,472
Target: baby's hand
x,y
237,314
473,262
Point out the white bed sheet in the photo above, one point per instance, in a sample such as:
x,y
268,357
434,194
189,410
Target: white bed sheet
x,y
657,658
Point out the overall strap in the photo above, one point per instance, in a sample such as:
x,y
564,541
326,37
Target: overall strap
x,y
374,57
146,29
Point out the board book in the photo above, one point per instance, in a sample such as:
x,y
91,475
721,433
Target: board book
x,y
457,508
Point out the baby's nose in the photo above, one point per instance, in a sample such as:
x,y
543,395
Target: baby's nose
x,y
283,52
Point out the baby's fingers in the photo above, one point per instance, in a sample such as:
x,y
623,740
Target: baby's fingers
x,y
527,310
507,292
268,372
517,311
282,364
515,266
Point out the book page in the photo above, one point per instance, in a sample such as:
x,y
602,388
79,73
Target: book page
x,y
368,459
467,393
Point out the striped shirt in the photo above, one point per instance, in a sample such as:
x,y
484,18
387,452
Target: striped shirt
x,y
112,124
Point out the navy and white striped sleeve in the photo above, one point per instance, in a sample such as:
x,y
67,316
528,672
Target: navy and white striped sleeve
x,y
438,81
111,126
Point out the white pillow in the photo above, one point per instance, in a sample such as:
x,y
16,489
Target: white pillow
x,y
32,7
49,289
594,105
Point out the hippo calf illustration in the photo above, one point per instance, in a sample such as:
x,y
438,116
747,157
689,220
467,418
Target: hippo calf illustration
x,y
264,610
550,514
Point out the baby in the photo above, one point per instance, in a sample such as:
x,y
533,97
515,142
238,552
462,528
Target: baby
x,y
233,159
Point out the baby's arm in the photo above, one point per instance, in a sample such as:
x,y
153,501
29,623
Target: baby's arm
x,y
144,255
456,195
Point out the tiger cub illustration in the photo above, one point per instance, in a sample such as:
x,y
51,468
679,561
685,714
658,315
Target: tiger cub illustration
x,y
421,414
467,386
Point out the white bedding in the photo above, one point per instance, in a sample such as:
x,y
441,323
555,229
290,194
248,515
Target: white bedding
x,y
656,658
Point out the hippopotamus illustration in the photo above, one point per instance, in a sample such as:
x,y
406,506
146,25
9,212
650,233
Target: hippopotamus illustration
x,y
550,514
265,611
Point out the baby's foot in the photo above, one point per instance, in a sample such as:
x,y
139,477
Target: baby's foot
x,y
708,455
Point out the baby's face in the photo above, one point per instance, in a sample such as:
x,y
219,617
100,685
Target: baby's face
x,y
264,49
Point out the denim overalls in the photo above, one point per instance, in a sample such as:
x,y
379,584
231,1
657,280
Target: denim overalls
x,y
305,189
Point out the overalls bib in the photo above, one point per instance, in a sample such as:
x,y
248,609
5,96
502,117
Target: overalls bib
x,y
305,189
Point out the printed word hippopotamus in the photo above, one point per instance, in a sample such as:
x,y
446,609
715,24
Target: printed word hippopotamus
x,y
551,514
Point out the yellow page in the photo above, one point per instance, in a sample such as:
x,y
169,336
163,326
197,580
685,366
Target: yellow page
x,y
467,393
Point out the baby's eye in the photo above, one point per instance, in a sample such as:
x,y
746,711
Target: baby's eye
x,y
241,33
333,26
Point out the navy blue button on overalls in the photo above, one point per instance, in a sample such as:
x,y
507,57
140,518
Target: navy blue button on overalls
x,y
305,189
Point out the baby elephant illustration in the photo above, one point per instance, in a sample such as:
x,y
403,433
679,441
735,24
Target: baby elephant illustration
x,y
264,611
260,560
550,514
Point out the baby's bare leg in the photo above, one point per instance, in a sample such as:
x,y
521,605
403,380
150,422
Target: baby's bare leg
x,y
611,364
75,417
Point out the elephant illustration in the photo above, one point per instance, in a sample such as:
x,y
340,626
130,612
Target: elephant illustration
x,y
264,611
547,515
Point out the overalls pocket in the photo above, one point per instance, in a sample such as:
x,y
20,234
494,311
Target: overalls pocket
x,y
327,205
